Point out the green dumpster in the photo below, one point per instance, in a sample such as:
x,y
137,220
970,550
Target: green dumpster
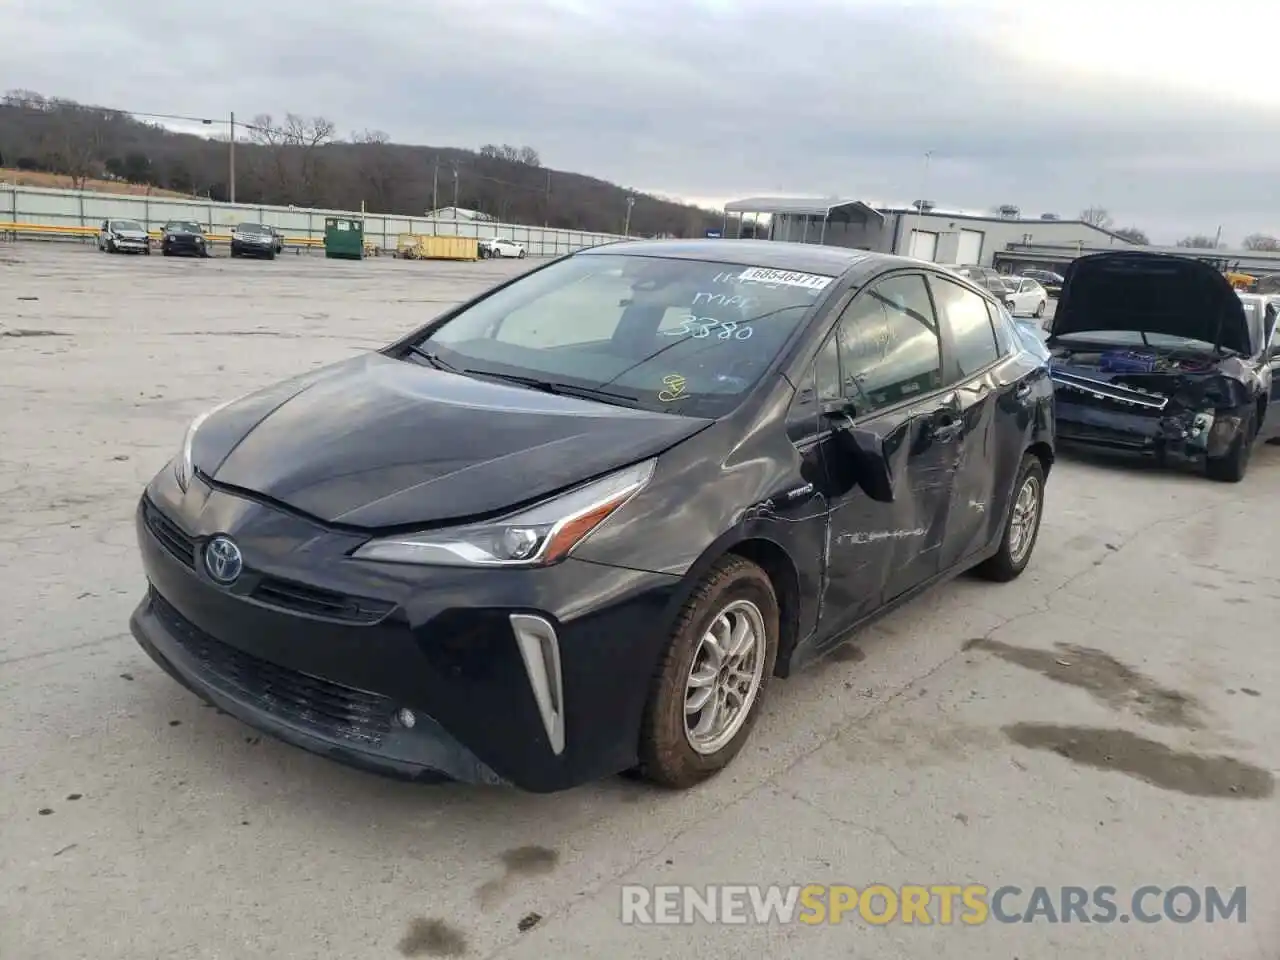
x,y
344,238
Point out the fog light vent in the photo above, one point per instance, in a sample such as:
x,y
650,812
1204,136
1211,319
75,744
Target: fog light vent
x,y
540,651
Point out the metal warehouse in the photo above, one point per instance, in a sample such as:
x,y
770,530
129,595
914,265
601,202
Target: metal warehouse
x,y
919,230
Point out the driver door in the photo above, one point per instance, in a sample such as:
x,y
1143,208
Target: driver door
x,y
887,347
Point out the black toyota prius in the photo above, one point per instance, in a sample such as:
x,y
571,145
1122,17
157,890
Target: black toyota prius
x,y
576,525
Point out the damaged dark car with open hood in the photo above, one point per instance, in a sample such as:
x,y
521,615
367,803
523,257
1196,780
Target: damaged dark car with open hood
x,y
575,525
1156,354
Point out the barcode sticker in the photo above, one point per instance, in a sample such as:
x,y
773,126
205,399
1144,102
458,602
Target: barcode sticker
x,y
784,278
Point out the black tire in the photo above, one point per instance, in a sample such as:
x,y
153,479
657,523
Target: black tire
x,y
1040,309
667,757
271,255
522,254
166,252
1232,467
1008,563
146,251
111,246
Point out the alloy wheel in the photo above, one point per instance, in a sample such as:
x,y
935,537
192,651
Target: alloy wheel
x,y
725,677
1022,522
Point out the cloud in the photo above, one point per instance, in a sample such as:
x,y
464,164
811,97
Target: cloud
x,y
1049,107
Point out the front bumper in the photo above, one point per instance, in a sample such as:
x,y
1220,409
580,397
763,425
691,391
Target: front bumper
x,y
253,248
325,652
185,245
1185,435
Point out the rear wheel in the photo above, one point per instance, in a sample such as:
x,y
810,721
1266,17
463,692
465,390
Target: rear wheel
x,y
1022,526
705,696
1040,308
522,254
1232,467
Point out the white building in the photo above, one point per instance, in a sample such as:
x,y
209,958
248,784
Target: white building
x,y
927,233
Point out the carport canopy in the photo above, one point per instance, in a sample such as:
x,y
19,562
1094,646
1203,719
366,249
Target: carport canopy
x,y
802,206
818,211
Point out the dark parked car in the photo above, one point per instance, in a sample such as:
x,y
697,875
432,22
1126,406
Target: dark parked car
x,y
1157,354
1052,282
184,238
255,240
574,525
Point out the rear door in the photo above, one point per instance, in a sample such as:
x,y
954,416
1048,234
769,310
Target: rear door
x,y
890,368
992,376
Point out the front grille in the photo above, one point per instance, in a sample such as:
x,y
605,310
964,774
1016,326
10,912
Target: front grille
x,y
181,545
326,708
318,602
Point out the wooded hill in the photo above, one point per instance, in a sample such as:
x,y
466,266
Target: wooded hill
x,y
302,161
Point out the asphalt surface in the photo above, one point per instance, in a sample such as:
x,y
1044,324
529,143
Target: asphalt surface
x,y
1108,719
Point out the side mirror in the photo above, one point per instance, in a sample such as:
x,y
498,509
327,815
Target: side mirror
x,y
865,449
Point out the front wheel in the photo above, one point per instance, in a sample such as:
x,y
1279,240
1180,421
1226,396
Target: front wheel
x,y
705,695
1022,525
522,254
111,246
1040,308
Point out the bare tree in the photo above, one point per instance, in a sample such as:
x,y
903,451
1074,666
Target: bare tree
x,y
293,152
1261,241
378,171
74,140
529,157
1198,241
1133,235
1096,217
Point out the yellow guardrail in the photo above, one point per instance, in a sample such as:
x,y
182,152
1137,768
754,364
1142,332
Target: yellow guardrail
x,y
57,230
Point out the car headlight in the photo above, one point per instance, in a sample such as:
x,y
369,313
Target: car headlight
x,y
541,535
183,467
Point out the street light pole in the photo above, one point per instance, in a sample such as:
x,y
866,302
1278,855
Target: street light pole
x,y
231,158
924,186
626,227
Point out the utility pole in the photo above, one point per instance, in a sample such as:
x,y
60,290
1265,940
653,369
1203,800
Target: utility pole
x,y
231,155
924,185
455,191
626,227
1217,240
435,186
546,207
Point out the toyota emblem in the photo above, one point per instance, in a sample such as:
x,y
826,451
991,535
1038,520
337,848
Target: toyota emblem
x,y
223,560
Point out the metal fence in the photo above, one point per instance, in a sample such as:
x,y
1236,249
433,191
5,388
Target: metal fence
x,y
83,208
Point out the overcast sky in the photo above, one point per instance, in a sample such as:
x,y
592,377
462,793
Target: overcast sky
x,y
1167,115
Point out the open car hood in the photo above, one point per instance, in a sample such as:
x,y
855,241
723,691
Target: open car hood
x,y
1150,293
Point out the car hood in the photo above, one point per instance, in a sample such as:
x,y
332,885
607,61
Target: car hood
x,y
375,442
1150,293
131,234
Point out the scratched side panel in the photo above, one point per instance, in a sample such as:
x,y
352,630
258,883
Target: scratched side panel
x,y
740,478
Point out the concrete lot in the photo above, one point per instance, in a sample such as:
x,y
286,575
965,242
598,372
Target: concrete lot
x,y
1109,718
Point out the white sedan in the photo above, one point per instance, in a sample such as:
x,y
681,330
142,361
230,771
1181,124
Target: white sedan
x,y
495,247
1026,298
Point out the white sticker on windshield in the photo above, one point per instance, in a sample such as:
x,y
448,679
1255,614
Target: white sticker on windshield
x,y
785,278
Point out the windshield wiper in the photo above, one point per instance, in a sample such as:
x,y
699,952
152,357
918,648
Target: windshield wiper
x,y
557,387
432,358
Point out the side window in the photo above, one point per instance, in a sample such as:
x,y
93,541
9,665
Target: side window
x,y
1002,323
888,339
970,336
827,370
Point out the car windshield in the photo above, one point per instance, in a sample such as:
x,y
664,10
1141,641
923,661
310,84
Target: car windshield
x,y
125,225
186,225
253,228
682,336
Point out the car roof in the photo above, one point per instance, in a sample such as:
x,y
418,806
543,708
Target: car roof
x,y
771,254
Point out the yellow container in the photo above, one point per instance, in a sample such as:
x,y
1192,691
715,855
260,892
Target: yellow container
x,y
412,246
